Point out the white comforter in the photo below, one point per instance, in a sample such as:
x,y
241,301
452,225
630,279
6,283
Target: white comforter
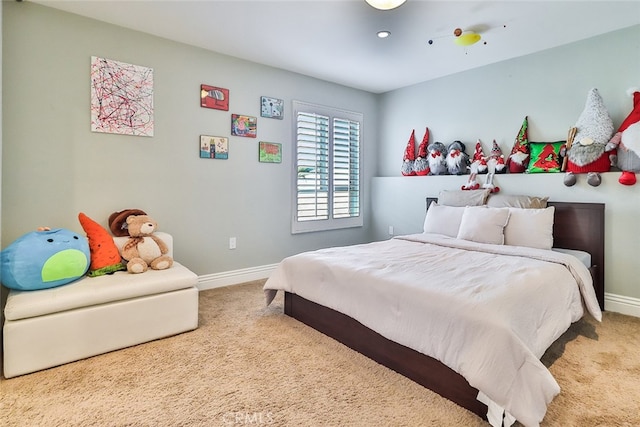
x,y
487,311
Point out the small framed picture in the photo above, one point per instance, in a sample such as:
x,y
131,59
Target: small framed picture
x,y
214,97
270,152
272,108
246,126
214,147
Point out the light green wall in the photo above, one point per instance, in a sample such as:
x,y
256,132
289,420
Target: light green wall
x,y
54,167
491,102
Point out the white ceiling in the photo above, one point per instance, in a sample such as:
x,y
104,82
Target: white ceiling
x,y
335,40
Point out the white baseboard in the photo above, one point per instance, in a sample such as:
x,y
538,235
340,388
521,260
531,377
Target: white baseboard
x,y
622,304
235,277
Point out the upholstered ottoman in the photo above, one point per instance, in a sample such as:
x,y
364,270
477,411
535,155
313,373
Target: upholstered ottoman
x,y
96,315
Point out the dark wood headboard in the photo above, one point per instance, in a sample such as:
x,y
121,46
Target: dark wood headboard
x,y
579,226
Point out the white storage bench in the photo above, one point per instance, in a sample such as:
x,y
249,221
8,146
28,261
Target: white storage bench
x,y
96,315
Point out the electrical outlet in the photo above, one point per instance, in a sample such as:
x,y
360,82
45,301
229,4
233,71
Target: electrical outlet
x,y
391,230
232,242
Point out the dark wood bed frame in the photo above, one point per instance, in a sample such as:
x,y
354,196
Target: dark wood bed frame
x,y
576,226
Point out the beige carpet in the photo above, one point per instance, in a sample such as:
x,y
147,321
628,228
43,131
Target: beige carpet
x,y
251,365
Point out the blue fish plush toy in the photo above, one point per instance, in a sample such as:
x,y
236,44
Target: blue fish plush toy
x,y
44,259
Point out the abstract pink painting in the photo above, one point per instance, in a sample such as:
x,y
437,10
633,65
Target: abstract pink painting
x,y
121,98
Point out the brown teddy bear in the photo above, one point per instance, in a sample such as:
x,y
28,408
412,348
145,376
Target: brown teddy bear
x,y
118,221
143,250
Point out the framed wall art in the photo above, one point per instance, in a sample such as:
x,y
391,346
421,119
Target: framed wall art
x,y
214,97
272,108
270,152
246,126
214,147
121,98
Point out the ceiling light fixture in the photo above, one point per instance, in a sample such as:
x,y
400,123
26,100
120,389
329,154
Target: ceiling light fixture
x,y
384,34
385,4
465,38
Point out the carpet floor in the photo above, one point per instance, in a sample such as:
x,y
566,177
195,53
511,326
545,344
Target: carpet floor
x,y
248,364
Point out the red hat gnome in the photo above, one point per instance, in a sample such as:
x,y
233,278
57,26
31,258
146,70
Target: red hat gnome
x,y
518,160
587,153
479,160
409,156
627,142
421,165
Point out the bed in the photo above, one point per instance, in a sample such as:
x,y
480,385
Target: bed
x,y
424,349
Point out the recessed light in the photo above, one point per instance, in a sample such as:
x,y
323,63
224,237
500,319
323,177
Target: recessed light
x,y
384,34
385,4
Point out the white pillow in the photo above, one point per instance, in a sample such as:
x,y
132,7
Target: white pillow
x,y
463,197
530,227
498,200
483,224
443,219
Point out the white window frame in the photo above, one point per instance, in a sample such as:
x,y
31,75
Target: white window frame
x,y
330,223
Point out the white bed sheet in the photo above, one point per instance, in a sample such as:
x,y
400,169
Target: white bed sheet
x,y
487,311
584,257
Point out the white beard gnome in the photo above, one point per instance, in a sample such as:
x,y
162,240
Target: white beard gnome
x,y
409,156
518,160
479,160
496,162
457,159
437,158
627,142
421,165
587,152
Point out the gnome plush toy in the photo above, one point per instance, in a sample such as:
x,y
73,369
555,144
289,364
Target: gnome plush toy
x,y
627,142
479,160
421,165
409,156
496,162
488,184
518,160
472,183
587,152
436,155
457,159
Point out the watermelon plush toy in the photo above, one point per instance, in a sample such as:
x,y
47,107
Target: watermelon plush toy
x,y
44,259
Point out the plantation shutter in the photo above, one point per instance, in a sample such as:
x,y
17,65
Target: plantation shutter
x,y
346,168
326,187
313,166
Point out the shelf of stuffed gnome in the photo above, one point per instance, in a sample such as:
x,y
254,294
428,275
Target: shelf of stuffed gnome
x,y
525,182
591,151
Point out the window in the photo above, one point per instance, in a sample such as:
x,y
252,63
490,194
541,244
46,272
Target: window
x,y
327,168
